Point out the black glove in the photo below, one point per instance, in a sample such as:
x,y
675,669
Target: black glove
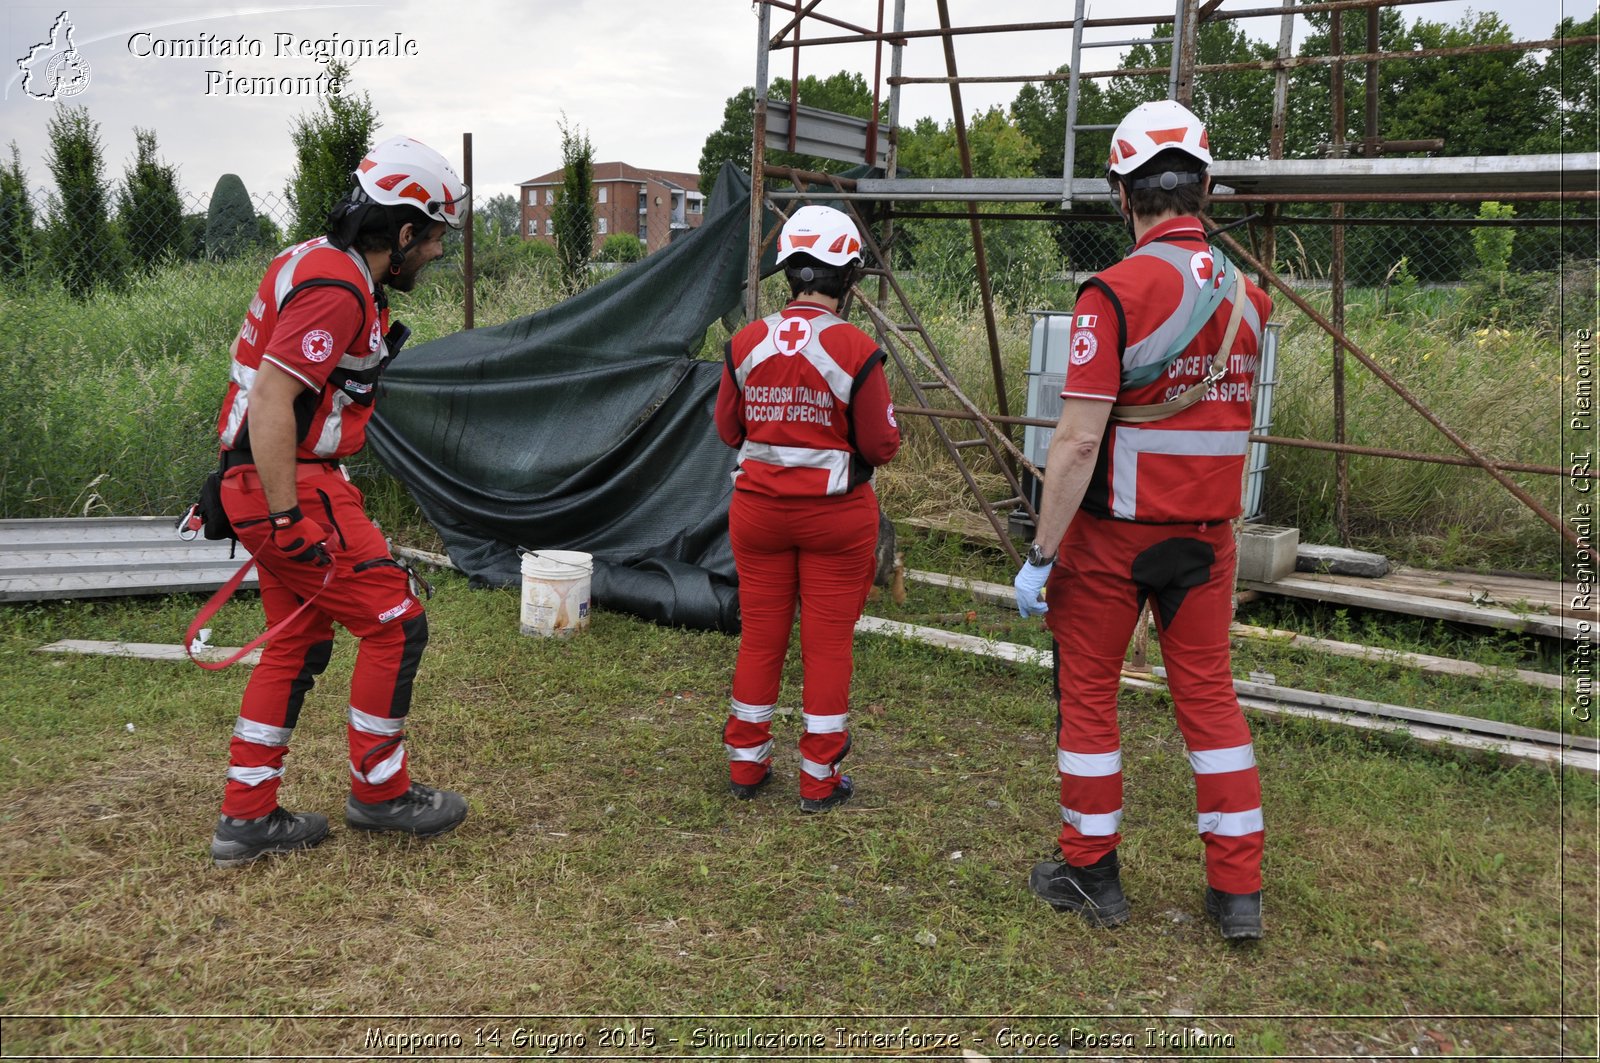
x,y
298,537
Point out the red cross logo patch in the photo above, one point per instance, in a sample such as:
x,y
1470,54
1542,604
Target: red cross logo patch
x,y
317,345
792,335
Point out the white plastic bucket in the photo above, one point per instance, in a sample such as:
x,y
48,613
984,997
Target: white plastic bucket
x,y
555,592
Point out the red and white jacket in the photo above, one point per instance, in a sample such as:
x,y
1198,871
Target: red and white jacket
x,y
804,398
316,316
1187,468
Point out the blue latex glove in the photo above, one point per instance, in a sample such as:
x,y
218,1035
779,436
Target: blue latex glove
x,y
1028,584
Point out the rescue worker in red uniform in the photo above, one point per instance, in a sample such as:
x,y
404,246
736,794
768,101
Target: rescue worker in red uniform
x,y
805,399
305,369
1142,479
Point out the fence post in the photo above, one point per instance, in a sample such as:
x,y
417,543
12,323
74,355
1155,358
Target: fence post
x,y
466,250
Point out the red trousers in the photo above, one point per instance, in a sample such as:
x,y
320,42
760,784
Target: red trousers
x,y
1106,570
370,595
821,551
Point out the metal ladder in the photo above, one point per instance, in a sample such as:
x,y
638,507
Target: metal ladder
x,y
1078,45
908,344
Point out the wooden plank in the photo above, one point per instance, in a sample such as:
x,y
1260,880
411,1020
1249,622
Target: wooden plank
x,y
1548,751
954,640
183,579
970,526
1339,703
980,589
1426,662
1539,595
1374,596
150,651
995,592
1510,749
114,557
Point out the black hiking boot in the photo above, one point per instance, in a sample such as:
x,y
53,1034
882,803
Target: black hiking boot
x,y
841,793
238,842
421,811
1094,892
745,791
1238,915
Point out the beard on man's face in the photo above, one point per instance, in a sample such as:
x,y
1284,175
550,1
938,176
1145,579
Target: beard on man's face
x,y
406,279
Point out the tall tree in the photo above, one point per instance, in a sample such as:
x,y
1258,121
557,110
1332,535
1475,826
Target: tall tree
x,y
83,248
1483,104
329,143
1020,253
148,206
573,213
1236,106
843,93
1567,81
17,239
1040,112
501,215
1309,122
231,226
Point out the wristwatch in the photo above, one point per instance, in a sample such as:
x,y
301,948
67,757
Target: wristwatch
x,y
1036,556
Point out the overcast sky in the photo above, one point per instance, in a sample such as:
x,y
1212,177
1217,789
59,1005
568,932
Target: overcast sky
x,y
646,79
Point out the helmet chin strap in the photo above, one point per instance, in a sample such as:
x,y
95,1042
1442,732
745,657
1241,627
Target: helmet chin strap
x,y
1118,190
397,254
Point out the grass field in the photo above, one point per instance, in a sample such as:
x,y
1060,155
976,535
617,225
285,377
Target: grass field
x,y
1419,901
603,869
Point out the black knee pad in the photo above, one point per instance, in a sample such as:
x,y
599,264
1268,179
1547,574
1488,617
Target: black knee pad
x,y
313,664
415,631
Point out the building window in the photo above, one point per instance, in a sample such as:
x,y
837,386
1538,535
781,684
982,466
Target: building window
x,y
549,197
600,194
549,226
533,197
533,226
602,223
697,206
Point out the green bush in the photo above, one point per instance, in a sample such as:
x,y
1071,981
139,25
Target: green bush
x,y
230,219
622,247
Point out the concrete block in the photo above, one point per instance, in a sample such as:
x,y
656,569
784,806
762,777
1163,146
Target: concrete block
x,y
1267,553
1340,561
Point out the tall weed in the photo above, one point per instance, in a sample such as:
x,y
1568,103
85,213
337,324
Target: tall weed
x,y
1495,387
107,406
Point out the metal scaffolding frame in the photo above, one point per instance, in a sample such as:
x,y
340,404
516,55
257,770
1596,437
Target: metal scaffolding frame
x,y
1337,180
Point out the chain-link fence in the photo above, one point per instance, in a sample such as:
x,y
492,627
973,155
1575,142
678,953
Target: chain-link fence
x,y
1463,305
99,241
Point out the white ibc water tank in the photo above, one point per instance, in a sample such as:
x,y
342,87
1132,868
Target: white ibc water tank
x,y
1047,372
1255,462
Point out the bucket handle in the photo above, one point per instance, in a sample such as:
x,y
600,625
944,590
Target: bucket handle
x,y
524,552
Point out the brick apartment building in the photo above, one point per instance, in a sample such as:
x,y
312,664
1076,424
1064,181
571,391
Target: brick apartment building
x,y
654,205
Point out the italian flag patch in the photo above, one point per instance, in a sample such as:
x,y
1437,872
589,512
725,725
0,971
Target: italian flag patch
x,y
1085,320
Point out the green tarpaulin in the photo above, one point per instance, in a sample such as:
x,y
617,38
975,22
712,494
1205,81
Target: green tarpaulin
x,y
587,426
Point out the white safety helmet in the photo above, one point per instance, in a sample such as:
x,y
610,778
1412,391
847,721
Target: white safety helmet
x,y
406,172
1152,128
827,235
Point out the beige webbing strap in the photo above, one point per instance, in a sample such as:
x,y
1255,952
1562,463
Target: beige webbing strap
x,y
1219,367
